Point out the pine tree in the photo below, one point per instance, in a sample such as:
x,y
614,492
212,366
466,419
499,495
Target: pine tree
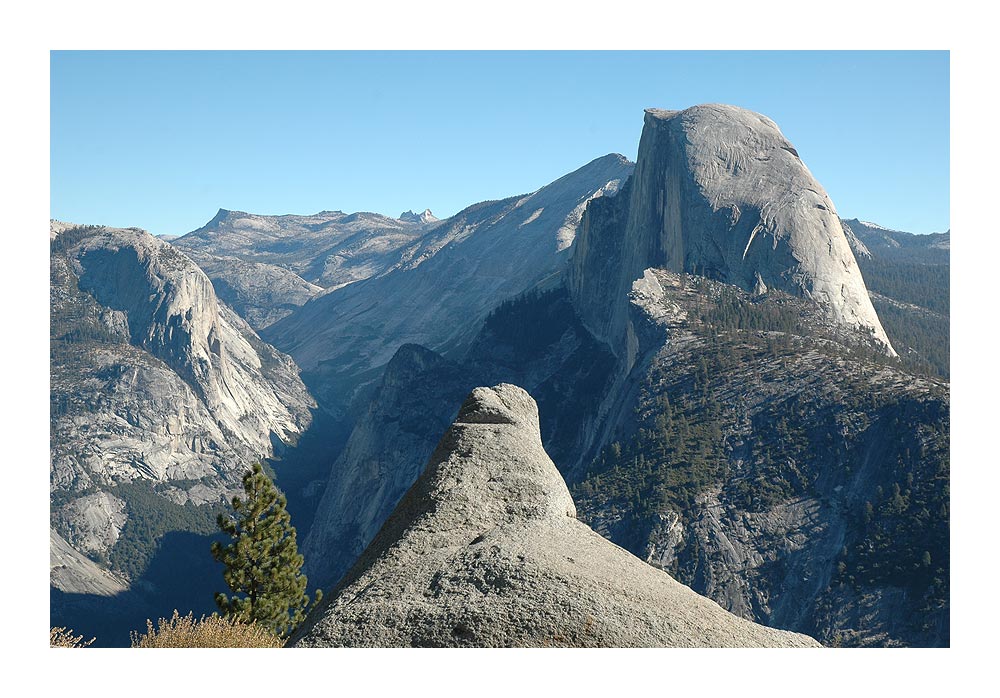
x,y
262,562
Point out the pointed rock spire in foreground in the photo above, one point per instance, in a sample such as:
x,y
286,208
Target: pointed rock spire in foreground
x,y
485,551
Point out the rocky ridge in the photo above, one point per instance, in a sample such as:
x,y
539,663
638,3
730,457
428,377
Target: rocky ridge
x,y
154,384
871,239
329,249
260,293
488,252
265,267
908,278
485,551
425,217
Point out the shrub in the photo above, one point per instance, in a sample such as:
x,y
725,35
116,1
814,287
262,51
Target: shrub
x,y
63,637
213,631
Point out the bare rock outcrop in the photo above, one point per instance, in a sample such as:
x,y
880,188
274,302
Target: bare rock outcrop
x,y
384,455
485,550
261,293
73,573
425,217
155,300
93,522
719,191
809,439
154,383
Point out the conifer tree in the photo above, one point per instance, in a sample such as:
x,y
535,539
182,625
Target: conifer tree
x,y
263,564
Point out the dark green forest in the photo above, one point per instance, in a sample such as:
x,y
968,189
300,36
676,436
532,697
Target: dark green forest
x,y
150,517
922,339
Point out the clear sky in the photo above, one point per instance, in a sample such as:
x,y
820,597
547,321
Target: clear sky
x,y
162,140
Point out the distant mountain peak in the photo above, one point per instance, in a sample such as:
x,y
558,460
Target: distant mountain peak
x,y
425,217
876,226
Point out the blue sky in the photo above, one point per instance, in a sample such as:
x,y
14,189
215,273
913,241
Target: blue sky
x,y
162,140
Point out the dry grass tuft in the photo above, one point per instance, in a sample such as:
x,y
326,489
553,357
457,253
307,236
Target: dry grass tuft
x,y
63,637
213,631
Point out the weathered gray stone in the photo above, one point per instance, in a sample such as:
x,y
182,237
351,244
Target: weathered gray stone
x,y
384,455
330,248
261,293
153,380
718,191
425,217
72,573
485,550
93,522
251,393
444,284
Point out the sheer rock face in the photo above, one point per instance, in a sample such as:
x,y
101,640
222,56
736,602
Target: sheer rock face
x,y
720,192
153,380
386,452
485,550
261,293
169,309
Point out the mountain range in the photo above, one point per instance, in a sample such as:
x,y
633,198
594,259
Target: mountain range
x,y
737,387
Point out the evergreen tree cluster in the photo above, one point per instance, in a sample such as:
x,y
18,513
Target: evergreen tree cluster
x,y
902,533
678,450
150,517
923,340
540,320
732,309
926,285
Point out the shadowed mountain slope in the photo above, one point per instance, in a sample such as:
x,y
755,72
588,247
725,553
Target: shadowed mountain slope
x,y
485,551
